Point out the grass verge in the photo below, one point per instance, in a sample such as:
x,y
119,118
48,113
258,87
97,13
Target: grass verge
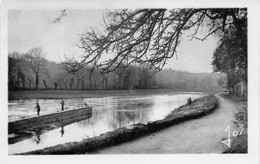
x,y
239,144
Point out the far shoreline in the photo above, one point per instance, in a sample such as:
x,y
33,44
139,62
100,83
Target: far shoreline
x,y
67,94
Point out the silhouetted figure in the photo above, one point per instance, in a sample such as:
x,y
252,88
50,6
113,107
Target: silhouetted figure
x,y
62,105
189,101
62,131
38,108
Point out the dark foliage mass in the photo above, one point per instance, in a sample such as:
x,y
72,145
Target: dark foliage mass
x,y
230,57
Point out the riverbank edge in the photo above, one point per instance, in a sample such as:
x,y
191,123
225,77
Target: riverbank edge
x,y
68,94
196,109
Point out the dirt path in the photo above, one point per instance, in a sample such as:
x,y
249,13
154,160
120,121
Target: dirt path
x,y
202,135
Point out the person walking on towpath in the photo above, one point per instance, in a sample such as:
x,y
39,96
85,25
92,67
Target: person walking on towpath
x,y
62,105
38,108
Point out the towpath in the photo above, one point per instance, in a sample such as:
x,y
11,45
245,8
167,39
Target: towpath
x,y
203,135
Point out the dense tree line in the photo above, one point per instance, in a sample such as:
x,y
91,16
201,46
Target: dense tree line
x,y
177,80
32,71
230,56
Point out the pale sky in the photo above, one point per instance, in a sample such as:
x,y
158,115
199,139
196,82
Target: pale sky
x,y
28,29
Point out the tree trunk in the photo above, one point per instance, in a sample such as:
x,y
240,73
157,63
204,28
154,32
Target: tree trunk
x,y
18,78
242,88
36,80
78,84
95,82
71,83
235,90
82,83
30,82
89,80
60,83
106,83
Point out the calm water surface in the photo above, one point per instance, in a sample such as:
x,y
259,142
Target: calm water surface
x,y
109,113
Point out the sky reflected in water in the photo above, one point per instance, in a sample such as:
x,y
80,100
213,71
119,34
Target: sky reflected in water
x,y
109,113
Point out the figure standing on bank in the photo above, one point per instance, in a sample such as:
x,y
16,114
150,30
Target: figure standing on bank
x,y
62,105
189,101
38,108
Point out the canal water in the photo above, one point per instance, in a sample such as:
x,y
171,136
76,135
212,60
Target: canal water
x,y
109,113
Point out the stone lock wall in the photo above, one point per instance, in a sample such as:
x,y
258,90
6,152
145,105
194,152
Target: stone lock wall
x,y
27,123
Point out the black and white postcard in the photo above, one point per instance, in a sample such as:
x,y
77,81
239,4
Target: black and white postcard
x,y
154,81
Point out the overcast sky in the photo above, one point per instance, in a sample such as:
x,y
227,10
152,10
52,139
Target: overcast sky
x,y
32,28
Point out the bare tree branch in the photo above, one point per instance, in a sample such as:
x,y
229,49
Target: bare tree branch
x,y
148,36
58,19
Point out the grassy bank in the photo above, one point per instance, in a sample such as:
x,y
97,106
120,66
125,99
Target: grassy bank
x,y
59,94
198,108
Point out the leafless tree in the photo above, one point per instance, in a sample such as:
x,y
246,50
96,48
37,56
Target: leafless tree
x,y
22,76
36,60
59,83
77,86
104,82
71,82
150,36
45,84
64,81
82,83
55,85
16,66
30,79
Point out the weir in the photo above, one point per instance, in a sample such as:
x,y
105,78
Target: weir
x,y
59,117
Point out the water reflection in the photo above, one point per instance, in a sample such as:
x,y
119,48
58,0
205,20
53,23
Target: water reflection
x,y
37,136
62,131
109,113
129,112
